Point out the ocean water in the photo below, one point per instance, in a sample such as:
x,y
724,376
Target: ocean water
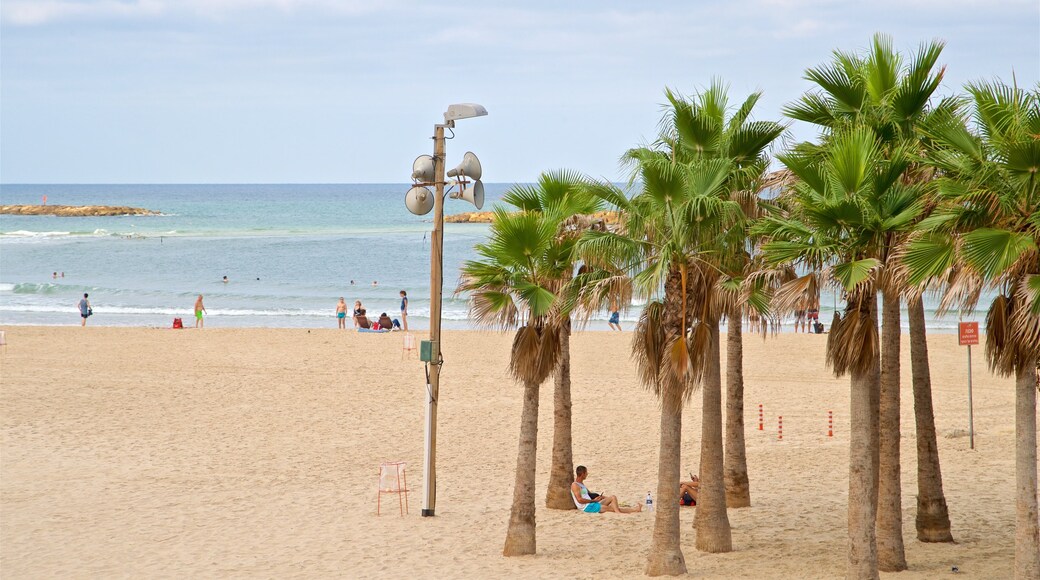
x,y
289,252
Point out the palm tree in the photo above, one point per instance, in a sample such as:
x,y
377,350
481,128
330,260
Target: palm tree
x,y
848,198
559,196
667,246
990,206
696,129
876,90
522,268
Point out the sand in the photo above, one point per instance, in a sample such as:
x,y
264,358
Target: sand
x,y
254,452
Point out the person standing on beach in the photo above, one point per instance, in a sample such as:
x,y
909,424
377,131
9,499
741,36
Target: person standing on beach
x,y
199,309
84,309
404,310
341,314
615,316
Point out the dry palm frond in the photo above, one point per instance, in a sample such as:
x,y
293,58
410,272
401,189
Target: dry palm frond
x,y
852,344
777,180
535,353
802,293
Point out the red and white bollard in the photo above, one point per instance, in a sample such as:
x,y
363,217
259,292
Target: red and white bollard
x,y
780,428
830,423
761,418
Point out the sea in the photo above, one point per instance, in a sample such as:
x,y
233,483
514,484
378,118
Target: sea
x,y
289,253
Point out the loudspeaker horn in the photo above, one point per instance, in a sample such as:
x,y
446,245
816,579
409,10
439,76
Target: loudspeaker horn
x,y
422,168
474,194
419,200
470,167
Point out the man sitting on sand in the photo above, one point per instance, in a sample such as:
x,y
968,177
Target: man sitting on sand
x,y
601,503
689,490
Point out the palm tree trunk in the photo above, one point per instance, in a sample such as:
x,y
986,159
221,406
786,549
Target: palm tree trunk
x,y
891,553
863,465
933,517
711,520
862,564
520,537
1027,534
561,474
666,557
738,491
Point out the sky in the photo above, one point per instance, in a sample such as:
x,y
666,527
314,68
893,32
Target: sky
x,y
348,91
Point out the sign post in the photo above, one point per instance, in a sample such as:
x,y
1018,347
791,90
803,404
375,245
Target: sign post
x,y
967,335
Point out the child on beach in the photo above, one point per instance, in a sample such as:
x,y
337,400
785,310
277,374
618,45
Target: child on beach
x,y
341,314
199,309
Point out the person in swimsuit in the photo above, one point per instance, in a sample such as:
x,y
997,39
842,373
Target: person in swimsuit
x,y
584,501
341,313
199,309
799,320
84,309
357,312
404,310
615,316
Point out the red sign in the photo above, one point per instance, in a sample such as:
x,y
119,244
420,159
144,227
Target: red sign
x,y
967,333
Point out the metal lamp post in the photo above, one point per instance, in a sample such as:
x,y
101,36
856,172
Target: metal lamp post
x,y
431,171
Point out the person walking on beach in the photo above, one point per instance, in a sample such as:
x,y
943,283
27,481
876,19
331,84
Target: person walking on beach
x,y
404,310
341,313
199,309
615,315
84,309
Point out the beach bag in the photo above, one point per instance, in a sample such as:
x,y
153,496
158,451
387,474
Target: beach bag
x,y
375,326
177,323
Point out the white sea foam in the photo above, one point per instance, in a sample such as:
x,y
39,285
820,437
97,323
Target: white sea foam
x,y
6,287
29,234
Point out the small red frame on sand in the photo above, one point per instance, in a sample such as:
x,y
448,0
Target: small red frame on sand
x,y
393,479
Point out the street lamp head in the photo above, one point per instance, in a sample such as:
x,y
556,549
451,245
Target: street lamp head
x,y
464,111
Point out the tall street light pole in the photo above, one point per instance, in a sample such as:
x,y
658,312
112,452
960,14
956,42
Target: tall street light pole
x,y
436,288
423,170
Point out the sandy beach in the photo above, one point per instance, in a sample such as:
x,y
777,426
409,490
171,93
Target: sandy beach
x,y
138,452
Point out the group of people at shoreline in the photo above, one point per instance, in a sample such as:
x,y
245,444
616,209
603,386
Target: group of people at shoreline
x,y
360,316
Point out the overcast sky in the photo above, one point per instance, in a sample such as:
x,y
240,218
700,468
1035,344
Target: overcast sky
x,y
345,91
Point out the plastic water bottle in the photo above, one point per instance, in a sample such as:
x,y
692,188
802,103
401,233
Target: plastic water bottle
x,y
649,502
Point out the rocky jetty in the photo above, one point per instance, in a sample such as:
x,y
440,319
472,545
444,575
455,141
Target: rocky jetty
x,y
74,210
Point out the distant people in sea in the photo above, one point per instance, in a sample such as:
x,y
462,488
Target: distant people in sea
x,y
199,309
375,283
615,315
357,312
63,274
225,279
84,309
54,276
341,313
351,282
404,309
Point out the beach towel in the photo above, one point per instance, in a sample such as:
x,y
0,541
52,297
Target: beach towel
x,y
380,331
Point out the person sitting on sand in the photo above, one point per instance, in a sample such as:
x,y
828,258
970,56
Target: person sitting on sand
x,y
357,312
689,490
584,501
385,322
362,320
